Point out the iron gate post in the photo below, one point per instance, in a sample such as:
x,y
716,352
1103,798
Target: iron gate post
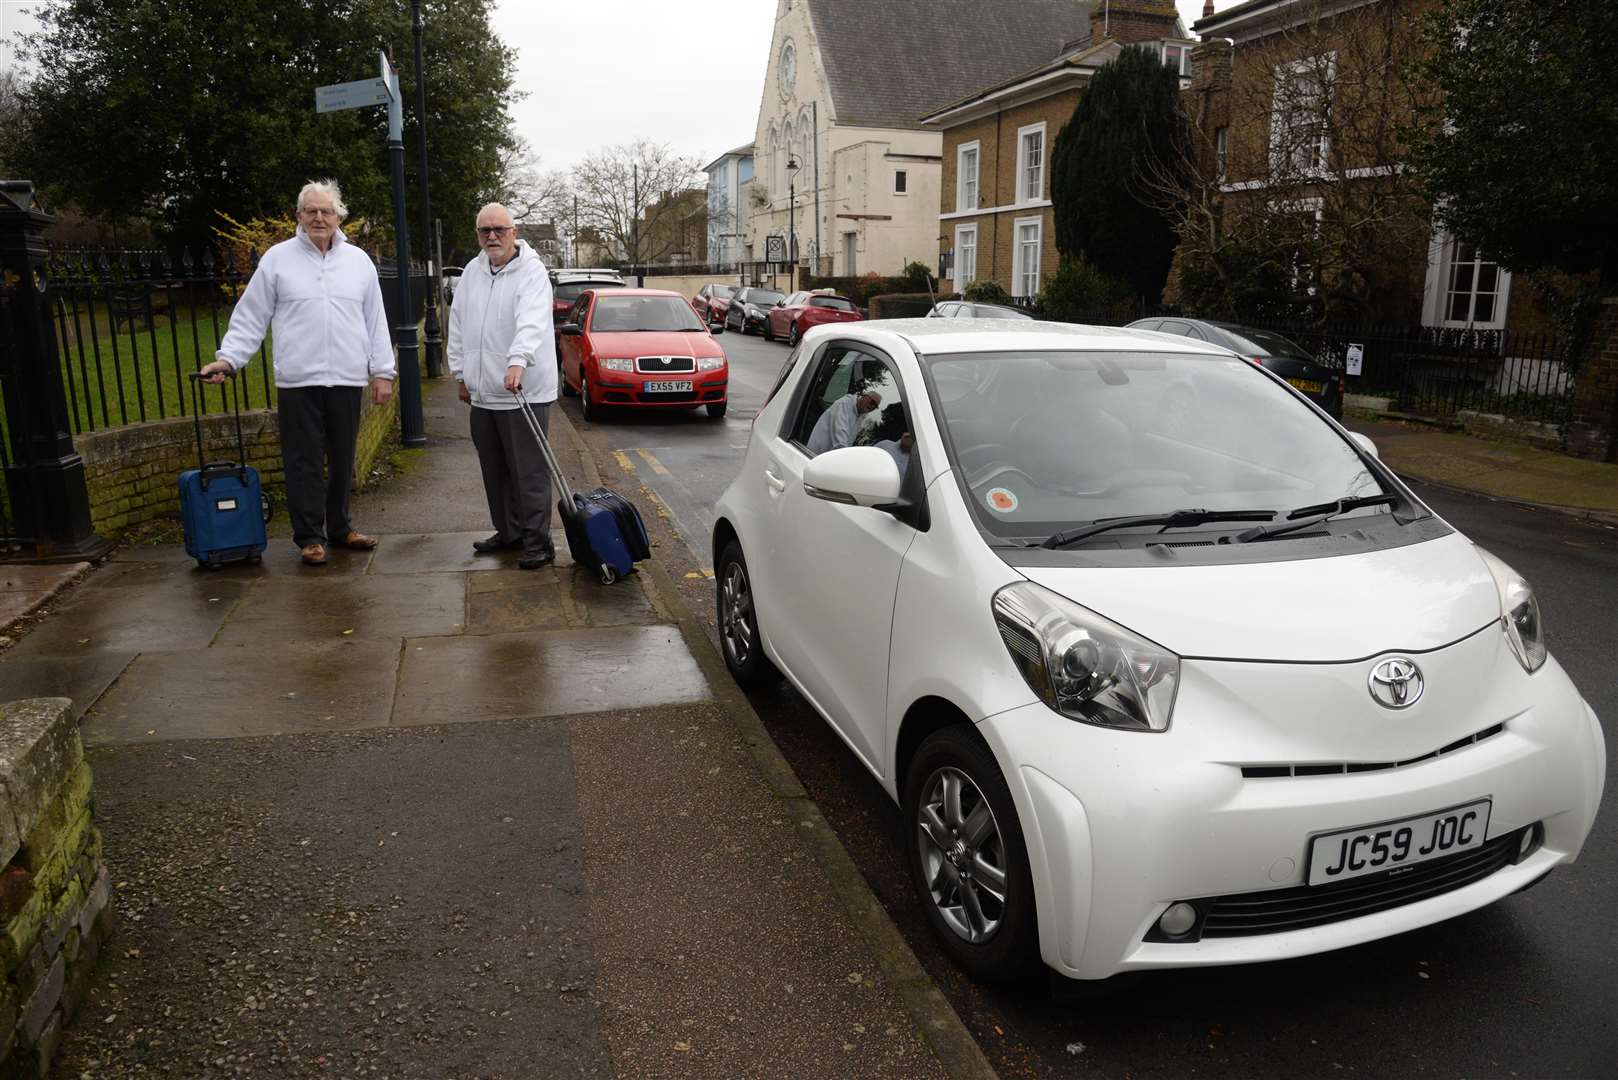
x,y
45,478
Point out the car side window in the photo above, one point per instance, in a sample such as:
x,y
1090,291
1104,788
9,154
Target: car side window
x,y
1173,326
854,399
1196,332
580,308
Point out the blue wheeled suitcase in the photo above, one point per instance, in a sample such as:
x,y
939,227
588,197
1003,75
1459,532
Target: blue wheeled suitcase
x,y
222,502
604,530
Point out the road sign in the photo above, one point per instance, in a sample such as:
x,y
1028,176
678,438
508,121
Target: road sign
x,y
775,249
351,95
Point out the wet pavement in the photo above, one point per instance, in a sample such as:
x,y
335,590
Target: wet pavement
x,y
420,813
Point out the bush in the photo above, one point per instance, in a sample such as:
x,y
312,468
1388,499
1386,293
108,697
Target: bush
x,y
986,291
1239,281
901,305
1078,292
917,276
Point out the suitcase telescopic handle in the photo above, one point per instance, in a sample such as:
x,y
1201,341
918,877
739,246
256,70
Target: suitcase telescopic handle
x,y
545,449
196,378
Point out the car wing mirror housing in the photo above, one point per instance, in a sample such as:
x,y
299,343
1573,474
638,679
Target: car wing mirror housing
x,y
855,476
1364,443
569,330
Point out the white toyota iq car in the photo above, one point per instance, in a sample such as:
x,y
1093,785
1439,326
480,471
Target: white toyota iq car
x,y
1164,667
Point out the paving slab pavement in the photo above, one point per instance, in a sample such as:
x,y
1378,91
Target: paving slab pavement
x,y
419,813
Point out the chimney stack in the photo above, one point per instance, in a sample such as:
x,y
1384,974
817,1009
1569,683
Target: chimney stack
x,y
1126,21
1207,9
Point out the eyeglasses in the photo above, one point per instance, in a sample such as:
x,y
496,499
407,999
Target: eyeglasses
x,y
319,211
493,230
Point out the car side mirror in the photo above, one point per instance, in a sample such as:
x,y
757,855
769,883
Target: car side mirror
x,y
717,328
780,303
569,330
853,475
1364,443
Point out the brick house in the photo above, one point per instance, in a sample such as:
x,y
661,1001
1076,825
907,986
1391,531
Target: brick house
x,y
1299,103
995,218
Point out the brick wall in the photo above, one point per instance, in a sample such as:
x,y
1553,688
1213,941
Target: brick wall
x,y
132,472
54,895
1592,432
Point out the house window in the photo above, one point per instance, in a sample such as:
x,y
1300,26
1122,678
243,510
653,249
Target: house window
x,y
1031,163
1029,237
1300,135
1222,149
1465,287
966,255
900,181
851,242
966,176
1178,57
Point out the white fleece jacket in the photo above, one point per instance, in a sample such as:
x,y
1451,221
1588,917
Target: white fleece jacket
x,y
325,310
499,318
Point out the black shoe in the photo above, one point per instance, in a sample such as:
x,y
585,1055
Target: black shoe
x,y
493,544
535,560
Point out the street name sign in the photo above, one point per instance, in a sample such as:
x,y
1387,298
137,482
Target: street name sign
x,y
351,95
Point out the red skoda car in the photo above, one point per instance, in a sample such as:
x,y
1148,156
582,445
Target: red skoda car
x,y
641,347
798,312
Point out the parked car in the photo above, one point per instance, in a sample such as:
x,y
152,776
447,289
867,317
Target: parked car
x,y
712,301
797,313
965,309
1126,734
448,278
749,308
566,285
1321,384
640,347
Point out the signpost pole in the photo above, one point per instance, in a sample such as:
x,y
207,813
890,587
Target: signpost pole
x,y
435,341
412,429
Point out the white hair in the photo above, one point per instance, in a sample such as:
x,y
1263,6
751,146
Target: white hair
x,y
327,188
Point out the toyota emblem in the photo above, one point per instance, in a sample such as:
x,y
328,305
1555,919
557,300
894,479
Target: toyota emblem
x,y
1396,683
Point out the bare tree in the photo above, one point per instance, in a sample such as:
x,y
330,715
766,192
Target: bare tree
x,y
1294,181
624,190
11,119
531,193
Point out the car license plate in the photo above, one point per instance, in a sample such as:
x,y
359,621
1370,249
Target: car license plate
x,y
1352,853
1308,386
668,386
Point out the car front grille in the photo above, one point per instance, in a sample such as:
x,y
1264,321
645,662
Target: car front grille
x,y
1279,910
656,365
1349,768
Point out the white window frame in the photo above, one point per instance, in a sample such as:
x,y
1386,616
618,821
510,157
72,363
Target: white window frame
x,y
1025,196
1181,69
1281,120
1436,293
962,203
906,174
1019,273
961,273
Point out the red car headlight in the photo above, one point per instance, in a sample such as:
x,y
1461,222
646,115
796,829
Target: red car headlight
x,y
710,363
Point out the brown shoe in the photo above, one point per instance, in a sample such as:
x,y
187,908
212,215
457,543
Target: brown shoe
x,y
314,554
358,541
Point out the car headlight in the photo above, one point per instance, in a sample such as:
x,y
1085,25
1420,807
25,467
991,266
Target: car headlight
x,y
710,363
1519,614
756,313
617,364
1085,667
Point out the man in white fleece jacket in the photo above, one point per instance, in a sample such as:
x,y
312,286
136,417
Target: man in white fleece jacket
x,y
322,299
500,343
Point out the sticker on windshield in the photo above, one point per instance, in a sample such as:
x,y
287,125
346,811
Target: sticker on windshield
x,y
1001,500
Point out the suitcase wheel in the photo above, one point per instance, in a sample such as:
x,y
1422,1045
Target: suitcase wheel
x,y
607,574
254,560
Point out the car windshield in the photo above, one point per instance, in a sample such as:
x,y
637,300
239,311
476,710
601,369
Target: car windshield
x,y
835,303
723,292
1045,441
1264,343
996,311
628,314
763,297
570,292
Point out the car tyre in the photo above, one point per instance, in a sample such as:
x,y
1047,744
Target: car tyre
x,y
766,330
716,410
968,861
792,334
561,380
587,409
739,638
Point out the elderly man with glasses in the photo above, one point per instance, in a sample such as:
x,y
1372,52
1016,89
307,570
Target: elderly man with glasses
x,y
321,298
501,345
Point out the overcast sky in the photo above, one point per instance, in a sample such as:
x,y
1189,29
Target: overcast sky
x,y
689,73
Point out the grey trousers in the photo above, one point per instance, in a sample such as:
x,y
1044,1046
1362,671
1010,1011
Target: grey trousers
x,y
319,427
515,479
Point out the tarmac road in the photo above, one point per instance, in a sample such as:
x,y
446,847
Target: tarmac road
x,y
1527,987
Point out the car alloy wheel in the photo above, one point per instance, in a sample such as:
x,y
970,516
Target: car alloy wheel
x,y
967,857
561,379
586,408
738,622
792,334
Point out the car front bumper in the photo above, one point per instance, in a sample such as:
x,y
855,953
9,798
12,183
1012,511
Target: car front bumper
x,y
1119,825
621,388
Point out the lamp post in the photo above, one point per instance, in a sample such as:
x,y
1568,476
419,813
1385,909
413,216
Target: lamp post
x,y
435,340
792,225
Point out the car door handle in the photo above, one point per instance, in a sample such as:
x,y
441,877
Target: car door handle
x,y
774,481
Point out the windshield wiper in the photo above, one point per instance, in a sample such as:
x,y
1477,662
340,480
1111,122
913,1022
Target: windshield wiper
x,y
1321,512
1173,520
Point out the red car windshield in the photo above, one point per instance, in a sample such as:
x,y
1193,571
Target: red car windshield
x,y
835,303
635,314
570,292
